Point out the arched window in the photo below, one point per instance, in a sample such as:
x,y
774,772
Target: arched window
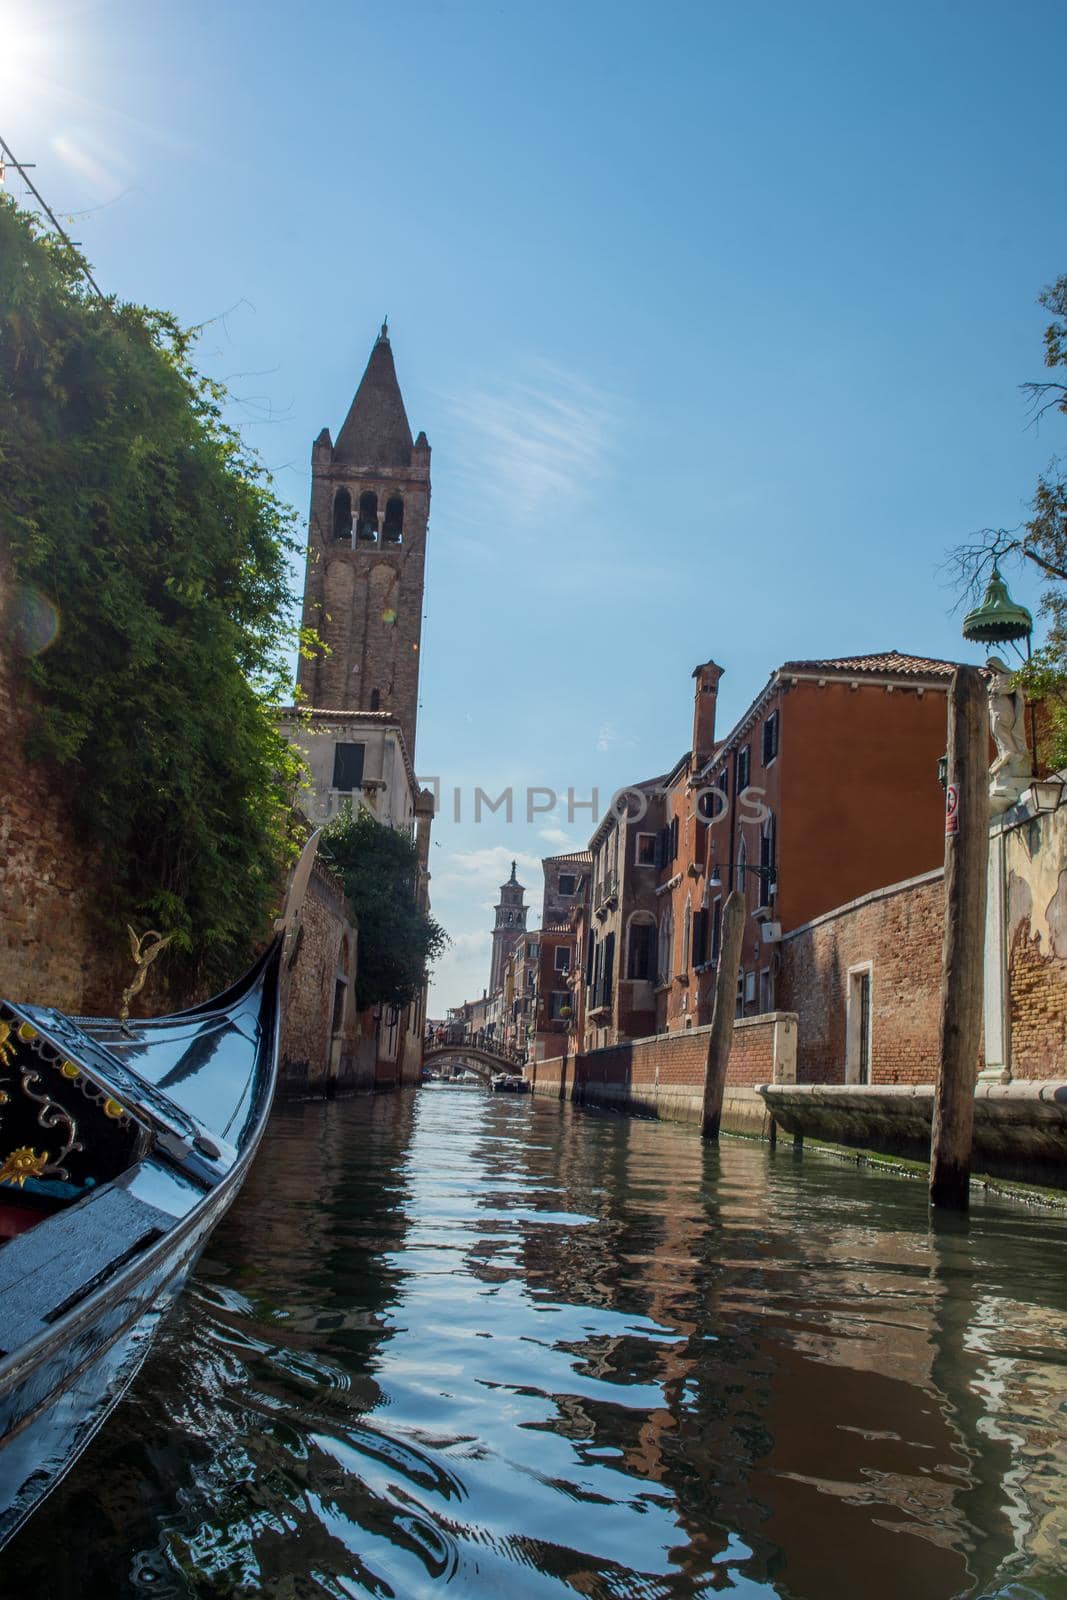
x,y
742,863
367,526
393,527
376,700
687,933
641,947
342,515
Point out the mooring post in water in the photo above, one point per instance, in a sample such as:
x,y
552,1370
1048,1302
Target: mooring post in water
x,y
722,1018
963,949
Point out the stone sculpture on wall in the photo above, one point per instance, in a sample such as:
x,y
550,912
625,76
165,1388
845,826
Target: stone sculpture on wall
x,y
1011,770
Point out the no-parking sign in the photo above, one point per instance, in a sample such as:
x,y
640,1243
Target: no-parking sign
x,y
952,808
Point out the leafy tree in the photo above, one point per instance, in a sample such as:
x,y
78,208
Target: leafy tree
x,y
138,520
398,939
1041,541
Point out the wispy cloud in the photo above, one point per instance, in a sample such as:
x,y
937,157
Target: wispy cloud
x,y
611,737
481,872
536,439
560,838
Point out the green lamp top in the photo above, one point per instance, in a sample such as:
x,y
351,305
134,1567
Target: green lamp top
x,y
998,619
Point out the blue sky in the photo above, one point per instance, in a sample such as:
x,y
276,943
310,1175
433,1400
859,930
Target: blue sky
x,y
715,317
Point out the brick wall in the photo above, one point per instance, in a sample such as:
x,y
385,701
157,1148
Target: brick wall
x,y
52,949
315,1059
898,931
664,1075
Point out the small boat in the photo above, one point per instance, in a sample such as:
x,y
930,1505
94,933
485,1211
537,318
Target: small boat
x,y
509,1083
121,1146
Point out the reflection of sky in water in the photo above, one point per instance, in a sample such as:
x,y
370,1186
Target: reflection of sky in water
x,y
453,1343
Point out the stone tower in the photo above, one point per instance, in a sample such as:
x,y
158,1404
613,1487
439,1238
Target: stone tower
x,y
510,927
363,592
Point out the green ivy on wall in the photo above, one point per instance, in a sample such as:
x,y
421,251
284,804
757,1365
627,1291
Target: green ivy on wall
x,y
152,605
398,941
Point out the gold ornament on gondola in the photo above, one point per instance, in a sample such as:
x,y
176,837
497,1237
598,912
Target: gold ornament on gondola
x,y
7,1049
21,1164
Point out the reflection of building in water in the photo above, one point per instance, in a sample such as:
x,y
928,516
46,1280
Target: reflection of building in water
x,y
820,1407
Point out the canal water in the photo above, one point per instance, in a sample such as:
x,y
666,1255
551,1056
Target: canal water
x,y
451,1342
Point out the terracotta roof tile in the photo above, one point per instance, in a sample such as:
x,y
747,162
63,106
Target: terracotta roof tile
x,y
886,663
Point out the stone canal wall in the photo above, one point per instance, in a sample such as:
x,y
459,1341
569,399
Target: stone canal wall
x,y
663,1076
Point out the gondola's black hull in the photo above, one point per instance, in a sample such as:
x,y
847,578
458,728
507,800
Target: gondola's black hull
x,y
83,1290
51,1411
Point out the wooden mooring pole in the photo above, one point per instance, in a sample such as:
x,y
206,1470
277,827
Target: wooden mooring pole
x,y
721,1036
963,949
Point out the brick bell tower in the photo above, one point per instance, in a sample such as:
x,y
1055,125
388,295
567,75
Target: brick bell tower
x,y
363,590
510,927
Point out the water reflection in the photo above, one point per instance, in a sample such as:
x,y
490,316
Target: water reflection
x,y
470,1341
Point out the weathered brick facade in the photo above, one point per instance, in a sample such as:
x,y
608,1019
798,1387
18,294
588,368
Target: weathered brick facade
x,y
53,950
321,1032
664,1075
894,936
363,592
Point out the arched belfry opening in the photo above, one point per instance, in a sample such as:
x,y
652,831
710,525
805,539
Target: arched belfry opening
x,y
367,526
393,526
342,515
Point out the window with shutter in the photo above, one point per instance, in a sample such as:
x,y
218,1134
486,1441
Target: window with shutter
x,y
770,738
348,766
673,839
744,761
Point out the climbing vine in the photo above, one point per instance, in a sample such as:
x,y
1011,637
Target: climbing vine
x,y
150,610
398,939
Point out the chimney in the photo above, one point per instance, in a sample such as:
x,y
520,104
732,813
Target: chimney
x,y
704,698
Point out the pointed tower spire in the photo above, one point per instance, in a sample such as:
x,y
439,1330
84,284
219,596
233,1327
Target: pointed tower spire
x,y
376,430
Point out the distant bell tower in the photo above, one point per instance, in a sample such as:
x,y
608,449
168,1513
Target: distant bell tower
x,y
510,927
363,592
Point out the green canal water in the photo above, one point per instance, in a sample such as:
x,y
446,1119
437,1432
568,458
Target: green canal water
x,y
455,1343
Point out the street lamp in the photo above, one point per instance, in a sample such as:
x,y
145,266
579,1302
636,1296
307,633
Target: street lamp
x,y
999,619
1046,794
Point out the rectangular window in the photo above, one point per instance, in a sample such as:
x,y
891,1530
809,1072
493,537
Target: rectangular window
x,y
567,884
716,929
766,990
674,840
766,861
646,850
608,973
700,938
348,766
560,1002
562,958
744,761
770,738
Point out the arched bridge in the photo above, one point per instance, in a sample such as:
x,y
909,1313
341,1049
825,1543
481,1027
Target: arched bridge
x,y
483,1062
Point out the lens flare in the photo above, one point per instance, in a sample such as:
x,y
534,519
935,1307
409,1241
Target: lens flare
x,y
32,622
